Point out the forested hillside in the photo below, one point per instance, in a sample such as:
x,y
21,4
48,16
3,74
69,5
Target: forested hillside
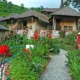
x,y
8,7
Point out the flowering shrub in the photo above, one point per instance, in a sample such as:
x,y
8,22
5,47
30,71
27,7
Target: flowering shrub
x,y
29,64
4,50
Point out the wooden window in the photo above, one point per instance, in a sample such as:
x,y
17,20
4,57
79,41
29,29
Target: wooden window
x,y
68,28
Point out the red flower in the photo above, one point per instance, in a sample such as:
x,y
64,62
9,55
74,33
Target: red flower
x,y
4,50
35,36
24,50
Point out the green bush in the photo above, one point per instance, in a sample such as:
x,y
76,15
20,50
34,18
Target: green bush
x,y
74,63
70,39
62,33
20,69
54,49
29,65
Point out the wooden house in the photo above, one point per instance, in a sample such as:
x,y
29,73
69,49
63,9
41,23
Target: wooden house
x,y
48,11
11,20
65,18
34,20
28,19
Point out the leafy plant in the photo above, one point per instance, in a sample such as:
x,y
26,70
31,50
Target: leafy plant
x,y
74,64
54,49
62,33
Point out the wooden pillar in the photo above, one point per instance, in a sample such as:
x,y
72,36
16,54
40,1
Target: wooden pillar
x,y
32,22
54,23
12,24
78,23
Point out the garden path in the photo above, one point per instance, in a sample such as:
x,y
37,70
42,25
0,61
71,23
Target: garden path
x,y
56,69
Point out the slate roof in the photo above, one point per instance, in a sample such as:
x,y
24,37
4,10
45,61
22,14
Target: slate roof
x,y
66,11
33,13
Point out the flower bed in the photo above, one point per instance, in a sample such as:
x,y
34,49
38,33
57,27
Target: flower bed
x,y
31,63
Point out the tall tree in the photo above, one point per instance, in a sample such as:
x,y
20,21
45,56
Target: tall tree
x,y
75,3
41,7
61,5
32,8
64,3
4,0
22,6
5,3
9,5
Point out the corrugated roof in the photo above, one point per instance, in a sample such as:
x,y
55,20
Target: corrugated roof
x,y
12,15
30,13
3,27
66,11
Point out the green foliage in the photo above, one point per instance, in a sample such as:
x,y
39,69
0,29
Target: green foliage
x,y
5,6
9,5
70,39
75,3
54,49
22,6
73,55
74,63
67,43
20,69
62,33
29,65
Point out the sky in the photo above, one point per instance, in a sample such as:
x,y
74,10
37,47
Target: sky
x,y
38,3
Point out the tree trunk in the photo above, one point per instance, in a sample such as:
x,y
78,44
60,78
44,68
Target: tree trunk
x,y
61,5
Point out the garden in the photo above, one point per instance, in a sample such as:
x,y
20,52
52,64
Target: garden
x,y
28,64
68,43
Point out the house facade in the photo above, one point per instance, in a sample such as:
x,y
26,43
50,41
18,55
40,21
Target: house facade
x,y
34,20
29,19
65,18
11,20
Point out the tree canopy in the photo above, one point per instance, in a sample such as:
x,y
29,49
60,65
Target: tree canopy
x,y
75,3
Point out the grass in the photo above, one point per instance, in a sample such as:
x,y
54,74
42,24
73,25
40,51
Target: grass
x,y
14,9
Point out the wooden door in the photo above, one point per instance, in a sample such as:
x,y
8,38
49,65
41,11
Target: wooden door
x,y
58,27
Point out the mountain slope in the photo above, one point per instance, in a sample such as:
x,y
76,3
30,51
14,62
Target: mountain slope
x,y
15,9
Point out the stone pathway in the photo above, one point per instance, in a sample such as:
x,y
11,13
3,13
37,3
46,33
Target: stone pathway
x,y
56,69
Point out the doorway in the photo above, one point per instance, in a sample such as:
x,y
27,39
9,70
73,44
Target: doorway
x,y
58,27
24,23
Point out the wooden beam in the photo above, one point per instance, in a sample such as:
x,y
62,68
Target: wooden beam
x,y
54,23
